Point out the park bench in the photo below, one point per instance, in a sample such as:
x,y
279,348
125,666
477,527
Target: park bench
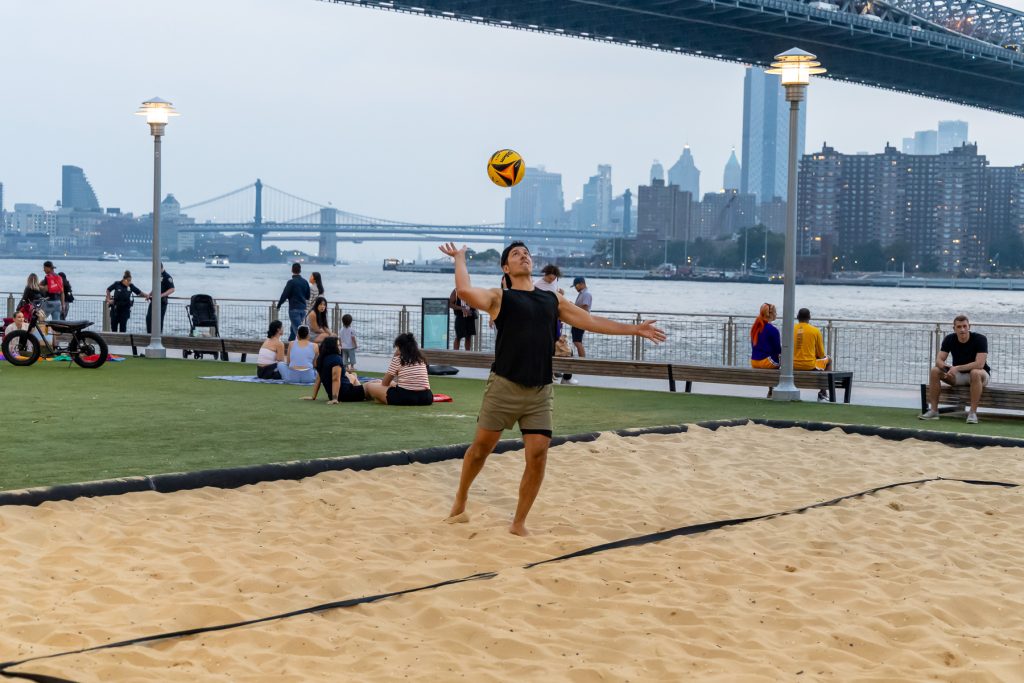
x,y
958,399
670,372
216,345
828,380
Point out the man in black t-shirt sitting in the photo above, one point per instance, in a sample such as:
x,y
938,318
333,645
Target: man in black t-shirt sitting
x,y
970,367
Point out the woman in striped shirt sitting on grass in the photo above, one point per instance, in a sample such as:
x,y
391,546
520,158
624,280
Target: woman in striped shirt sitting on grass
x,y
406,382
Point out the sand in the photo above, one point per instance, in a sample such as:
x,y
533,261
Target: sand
x,y
917,583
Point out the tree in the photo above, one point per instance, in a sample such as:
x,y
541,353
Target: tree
x,y
1007,251
487,256
869,256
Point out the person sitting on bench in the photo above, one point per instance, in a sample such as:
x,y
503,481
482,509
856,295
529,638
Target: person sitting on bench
x,y
765,342
970,367
808,348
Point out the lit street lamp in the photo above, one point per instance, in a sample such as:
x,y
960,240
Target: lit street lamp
x,y
157,113
796,67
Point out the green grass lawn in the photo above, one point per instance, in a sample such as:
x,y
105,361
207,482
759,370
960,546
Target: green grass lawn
x,y
148,416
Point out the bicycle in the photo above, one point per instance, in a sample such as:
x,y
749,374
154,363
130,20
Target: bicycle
x,y
86,349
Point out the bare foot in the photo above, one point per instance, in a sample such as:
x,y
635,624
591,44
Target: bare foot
x,y
518,529
460,518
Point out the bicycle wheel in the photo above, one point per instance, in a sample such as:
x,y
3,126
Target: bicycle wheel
x,y
21,348
88,350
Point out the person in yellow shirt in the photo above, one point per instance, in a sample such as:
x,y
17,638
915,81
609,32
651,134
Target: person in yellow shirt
x,y
808,347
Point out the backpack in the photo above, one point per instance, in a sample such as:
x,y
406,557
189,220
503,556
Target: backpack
x,y
54,284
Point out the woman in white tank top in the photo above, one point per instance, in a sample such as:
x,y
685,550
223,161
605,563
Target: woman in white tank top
x,y
271,353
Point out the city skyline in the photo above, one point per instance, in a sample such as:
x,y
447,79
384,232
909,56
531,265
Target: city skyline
x,y
339,135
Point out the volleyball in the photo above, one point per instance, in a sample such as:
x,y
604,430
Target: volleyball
x,y
506,168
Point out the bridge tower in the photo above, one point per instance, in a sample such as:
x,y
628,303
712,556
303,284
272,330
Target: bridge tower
x,y
258,231
328,237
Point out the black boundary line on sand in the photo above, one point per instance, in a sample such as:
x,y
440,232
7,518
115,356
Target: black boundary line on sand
x,y
235,477
656,537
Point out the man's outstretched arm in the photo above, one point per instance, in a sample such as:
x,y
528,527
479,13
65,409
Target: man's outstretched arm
x,y
584,320
477,297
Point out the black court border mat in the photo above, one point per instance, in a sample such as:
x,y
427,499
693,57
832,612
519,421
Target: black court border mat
x,y
957,440
235,477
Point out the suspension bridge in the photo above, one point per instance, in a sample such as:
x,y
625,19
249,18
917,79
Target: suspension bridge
x,y
962,51
266,212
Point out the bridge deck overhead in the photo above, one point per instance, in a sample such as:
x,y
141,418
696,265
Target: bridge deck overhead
x,y
962,51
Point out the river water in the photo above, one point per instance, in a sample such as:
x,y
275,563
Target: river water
x,y
368,283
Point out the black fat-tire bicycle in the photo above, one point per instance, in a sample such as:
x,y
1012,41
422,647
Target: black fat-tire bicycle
x,y
86,349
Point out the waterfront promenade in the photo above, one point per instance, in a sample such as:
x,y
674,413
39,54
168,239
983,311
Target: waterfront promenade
x,y
892,353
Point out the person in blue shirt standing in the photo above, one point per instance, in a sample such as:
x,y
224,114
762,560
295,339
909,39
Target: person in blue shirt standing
x,y
296,293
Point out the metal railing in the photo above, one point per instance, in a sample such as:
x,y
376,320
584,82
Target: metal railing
x,y
878,351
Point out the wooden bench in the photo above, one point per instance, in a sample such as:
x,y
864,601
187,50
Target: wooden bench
x,y
217,345
583,366
669,372
804,379
956,399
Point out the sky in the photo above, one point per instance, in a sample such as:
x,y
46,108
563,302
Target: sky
x,y
379,113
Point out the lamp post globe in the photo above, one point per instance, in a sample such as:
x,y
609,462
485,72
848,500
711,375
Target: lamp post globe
x,y
157,112
795,68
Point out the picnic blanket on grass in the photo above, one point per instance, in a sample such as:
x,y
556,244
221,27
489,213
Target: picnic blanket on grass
x,y
253,379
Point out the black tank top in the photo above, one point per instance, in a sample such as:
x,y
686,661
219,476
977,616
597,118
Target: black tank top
x,y
525,341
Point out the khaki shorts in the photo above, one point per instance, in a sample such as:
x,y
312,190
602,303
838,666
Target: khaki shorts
x,y
506,403
962,378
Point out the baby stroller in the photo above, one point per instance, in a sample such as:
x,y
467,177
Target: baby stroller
x,y
202,312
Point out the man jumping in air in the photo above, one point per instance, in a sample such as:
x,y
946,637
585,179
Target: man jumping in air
x,y
519,386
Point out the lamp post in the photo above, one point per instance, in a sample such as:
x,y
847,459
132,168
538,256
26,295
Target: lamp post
x,y
157,113
795,66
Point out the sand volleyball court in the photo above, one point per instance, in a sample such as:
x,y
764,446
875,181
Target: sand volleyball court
x,y
916,583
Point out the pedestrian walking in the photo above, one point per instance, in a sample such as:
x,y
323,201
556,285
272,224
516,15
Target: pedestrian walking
x,y
296,293
69,296
53,292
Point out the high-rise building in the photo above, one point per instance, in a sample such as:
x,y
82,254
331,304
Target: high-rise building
x,y
951,134
725,213
765,167
622,221
926,142
32,218
657,171
772,214
685,174
944,209
536,202
76,192
595,207
1,199
732,176
664,213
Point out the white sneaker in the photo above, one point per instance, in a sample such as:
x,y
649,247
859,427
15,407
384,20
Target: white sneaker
x,y
972,418
569,381
928,415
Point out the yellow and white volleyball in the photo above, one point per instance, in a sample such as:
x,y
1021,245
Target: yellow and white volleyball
x,y
506,168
